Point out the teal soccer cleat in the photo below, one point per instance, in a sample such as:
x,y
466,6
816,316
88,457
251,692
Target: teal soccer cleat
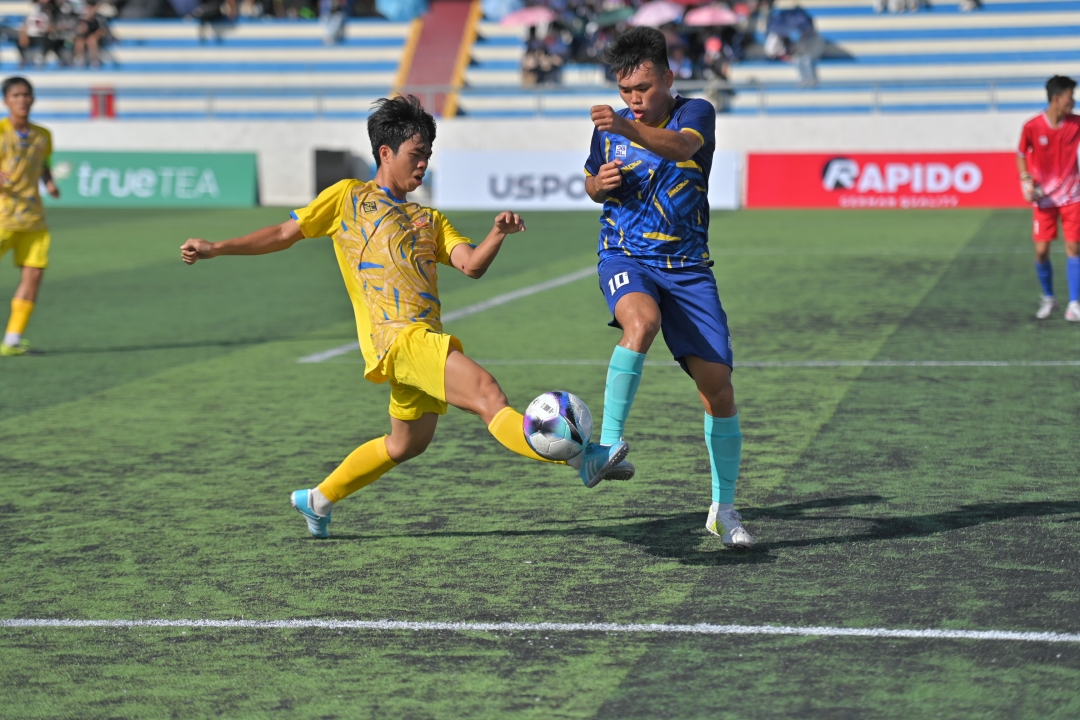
x,y
597,460
317,525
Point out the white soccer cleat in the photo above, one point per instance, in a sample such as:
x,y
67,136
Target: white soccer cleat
x,y
728,525
1072,312
1047,305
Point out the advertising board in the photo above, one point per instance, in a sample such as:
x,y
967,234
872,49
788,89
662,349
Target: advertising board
x,y
143,179
883,180
489,180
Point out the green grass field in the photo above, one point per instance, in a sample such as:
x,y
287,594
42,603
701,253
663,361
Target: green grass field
x,y
147,453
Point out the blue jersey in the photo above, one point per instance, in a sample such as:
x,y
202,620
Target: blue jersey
x,y
660,213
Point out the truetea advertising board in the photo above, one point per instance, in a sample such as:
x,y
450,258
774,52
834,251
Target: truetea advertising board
x,y
883,180
138,179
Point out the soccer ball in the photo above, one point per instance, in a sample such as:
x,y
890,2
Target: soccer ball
x,y
558,425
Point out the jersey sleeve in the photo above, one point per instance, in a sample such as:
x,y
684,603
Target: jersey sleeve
x,y
1025,141
48,146
698,117
323,214
596,154
446,237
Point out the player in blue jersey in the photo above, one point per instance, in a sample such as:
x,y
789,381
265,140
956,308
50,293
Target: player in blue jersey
x,y
649,166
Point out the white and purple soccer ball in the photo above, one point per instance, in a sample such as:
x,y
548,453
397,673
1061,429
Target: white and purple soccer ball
x,y
558,425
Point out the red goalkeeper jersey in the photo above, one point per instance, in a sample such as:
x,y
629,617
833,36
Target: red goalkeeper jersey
x,y
1051,155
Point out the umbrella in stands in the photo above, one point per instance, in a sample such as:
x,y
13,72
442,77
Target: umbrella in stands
x,y
614,17
657,13
711,16
690,3
536,15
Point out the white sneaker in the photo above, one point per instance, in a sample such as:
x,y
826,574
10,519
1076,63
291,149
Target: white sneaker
x,y
1072,312
1047,306
734,535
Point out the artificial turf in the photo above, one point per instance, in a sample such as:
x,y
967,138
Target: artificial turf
x,y
147,452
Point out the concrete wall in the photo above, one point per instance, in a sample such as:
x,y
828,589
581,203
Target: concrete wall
x,y
286,149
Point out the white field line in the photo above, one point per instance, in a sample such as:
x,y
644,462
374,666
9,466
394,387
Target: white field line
x,y
699,629
470,309
818,363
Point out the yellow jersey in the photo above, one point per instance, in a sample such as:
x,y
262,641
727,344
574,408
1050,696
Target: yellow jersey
x,y
388,251
22,159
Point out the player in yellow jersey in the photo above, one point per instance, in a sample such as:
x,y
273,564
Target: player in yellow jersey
x,y
25,149
388,250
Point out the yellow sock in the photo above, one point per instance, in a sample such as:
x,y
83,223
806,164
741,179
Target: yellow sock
x,y
20,316
508,428
365,465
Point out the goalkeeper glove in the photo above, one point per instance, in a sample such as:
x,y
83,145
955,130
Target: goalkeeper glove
x,y
1028,186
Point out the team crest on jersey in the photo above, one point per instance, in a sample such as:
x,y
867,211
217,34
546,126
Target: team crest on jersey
x,y
1043,140
620,151
369,206
421,222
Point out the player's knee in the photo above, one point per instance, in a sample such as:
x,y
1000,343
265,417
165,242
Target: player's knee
x,y
401,449
491,398
719,400
640,331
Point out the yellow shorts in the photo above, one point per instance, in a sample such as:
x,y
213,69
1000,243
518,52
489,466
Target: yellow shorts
x,y
416,367
31,247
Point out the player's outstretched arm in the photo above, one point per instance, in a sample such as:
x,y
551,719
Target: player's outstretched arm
x,y
267,240
677,145
474,261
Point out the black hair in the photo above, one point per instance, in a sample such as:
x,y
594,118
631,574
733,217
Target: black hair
x,y
634,48
397,119
13,81
1057,85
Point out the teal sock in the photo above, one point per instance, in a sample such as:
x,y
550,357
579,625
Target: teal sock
x,y
623,378
724,440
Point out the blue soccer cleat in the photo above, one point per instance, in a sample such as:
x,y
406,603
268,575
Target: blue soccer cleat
x,y
596,460
317,525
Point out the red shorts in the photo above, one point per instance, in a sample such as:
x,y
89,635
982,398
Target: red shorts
x,y
1046,222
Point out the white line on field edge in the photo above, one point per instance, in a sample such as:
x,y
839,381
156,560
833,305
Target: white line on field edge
x,y
470,309
812,363
819,363
699,629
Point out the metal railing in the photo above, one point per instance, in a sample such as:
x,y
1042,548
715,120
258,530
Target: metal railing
x,y
543,101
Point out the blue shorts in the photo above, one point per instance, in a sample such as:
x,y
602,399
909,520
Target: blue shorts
x,y
691,317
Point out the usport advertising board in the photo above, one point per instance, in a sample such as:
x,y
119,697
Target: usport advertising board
x,y
519,181
154,179
883,180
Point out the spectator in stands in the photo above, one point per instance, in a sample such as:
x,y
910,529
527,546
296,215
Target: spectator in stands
x,y
807,51
899,6
34,38
678,61
89,36
539,65
212,13
332,15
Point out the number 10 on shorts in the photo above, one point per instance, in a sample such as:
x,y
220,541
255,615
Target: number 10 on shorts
x,y
617,281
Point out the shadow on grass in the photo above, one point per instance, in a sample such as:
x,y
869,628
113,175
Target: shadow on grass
x,y
183,345
681,537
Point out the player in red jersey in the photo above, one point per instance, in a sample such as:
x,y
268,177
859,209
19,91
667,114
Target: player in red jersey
x,y
1050,179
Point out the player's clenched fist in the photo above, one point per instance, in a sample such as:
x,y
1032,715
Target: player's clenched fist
x,y
607,120
509,223
609,177
196,249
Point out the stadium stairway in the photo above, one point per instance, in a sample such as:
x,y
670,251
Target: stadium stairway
x,y
940,58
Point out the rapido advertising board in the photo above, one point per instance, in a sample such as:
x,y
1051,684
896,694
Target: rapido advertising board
x,y
893,180
138,179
